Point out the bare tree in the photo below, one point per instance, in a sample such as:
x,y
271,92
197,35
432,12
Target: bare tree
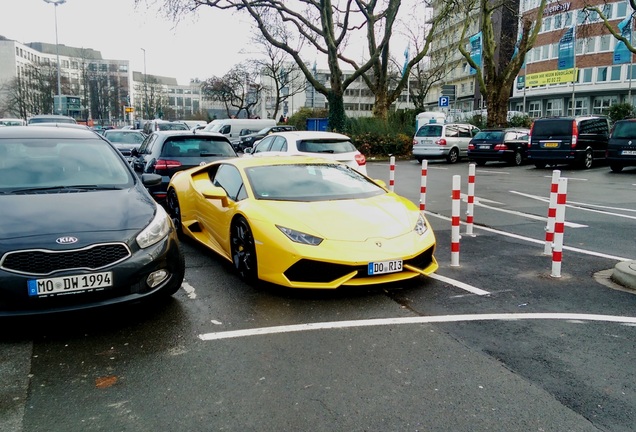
x,y
499,66
238,90
327,26
283,78
601,10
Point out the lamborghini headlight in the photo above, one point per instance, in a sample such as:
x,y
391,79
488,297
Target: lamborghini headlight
x,y
300,237
420,225
156,230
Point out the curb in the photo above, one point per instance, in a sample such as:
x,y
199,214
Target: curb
x,y
625,274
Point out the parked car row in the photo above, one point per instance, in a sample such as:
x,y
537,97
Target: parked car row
x,y
579,141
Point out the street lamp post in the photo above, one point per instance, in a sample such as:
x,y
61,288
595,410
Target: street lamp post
x,y
145,86
58,107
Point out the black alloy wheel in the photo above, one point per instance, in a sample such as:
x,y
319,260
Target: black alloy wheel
x,y
174,211
517,159
243,250
588,160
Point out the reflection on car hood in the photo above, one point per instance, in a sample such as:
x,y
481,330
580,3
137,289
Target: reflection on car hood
x,y
56,214
346,220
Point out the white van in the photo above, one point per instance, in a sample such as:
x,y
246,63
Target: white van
x,y
231,128
429,117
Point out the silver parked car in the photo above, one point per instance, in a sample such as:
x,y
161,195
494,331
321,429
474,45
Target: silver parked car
x,y
443,141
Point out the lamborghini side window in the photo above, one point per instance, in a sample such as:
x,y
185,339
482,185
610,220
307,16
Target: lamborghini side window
x,y
229,178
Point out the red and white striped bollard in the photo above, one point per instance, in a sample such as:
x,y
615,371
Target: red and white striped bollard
x,y
392,173
470,199
559,225
423,185
549,229
455,221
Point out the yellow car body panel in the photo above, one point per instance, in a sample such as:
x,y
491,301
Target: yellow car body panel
x,y
355,232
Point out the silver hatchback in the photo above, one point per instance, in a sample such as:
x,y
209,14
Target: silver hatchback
x,y
443,141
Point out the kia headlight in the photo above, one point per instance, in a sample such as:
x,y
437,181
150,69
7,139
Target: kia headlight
x,y
156,230
420,225
300,237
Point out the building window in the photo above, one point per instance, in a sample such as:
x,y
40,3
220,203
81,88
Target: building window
x,y
554,107
607,11
579,46
601,74
621,9
568,20
534,109
555,50
545,52
603,103
558,21
587,75
633,68
590,45
605,43
580,106
547,24
616,73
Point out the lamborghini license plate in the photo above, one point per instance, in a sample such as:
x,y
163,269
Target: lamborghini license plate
x,y
383,267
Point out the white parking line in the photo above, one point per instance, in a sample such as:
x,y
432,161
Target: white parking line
x,y
568,317
526,215
577,205
531,240
458,284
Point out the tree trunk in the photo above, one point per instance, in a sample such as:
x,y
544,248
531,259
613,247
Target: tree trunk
x,y
382,104
336,112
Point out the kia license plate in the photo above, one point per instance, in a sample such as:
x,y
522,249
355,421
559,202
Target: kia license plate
x,y
383,267
68,284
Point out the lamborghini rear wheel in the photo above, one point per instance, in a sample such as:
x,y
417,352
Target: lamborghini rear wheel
x,y
244,250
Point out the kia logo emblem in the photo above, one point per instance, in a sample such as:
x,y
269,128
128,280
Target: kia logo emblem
x,y
66,240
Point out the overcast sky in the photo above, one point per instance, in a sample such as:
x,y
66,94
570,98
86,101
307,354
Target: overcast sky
x,y
197,47
200,46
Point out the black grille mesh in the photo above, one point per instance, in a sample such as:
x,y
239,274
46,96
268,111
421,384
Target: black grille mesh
x,y
317,271
41,262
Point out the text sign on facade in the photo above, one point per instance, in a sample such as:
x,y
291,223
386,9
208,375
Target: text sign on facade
x,y
550,77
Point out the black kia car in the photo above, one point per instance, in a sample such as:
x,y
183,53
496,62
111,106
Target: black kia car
x,y
78,228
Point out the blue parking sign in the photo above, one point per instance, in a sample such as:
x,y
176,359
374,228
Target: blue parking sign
x,y
444,101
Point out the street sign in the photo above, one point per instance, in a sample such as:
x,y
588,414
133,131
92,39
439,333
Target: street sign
x,y
130,109
443,101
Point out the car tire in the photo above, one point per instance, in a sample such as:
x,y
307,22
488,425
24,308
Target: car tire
x,y
419,160
539,165
174,210
243,250
453,155
588,160
480,162
616,168
177,277
517,159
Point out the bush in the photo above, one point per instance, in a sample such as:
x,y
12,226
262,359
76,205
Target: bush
x,y
621,111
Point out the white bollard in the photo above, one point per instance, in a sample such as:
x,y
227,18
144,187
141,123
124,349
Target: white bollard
x,y
559,224
470,199
455,221
549,229
423,185
392,173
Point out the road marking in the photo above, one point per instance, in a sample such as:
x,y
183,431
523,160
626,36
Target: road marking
x,y
458,284
577,206
569,178
568,317
492,172
464,197
526,215
531,240
189,289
